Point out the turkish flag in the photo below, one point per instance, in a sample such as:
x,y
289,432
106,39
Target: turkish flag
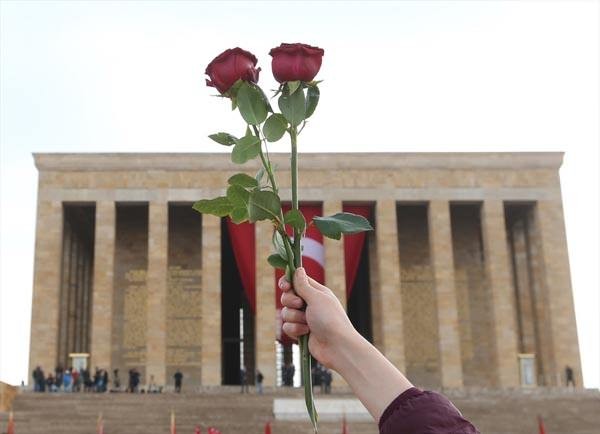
x,y
243,244
353,246
313,259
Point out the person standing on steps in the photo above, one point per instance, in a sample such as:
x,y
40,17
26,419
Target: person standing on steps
x,y
244,380
178,380
395,404
570,377
259,382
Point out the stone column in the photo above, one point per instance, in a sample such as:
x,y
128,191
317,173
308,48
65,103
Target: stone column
x,y
556,276
87,304
211,301
265,319
442,260
388,295
46,286
103,286
156,332
499,281
70,293
335,274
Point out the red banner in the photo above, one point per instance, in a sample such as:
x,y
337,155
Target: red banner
x,y
353,245
243,245
313,259
242,239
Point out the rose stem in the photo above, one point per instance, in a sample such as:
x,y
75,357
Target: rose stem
x,y
267,166
302,340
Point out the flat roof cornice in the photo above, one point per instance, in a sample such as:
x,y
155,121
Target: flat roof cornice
x,y
319,161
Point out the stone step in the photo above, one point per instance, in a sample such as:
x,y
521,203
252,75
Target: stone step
x,y
508,412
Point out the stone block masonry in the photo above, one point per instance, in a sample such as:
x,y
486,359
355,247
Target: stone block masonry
x,y
457,288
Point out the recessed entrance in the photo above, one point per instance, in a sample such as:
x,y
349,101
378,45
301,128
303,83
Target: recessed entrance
x,y
76,280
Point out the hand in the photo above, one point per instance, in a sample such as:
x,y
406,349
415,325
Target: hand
x,y
325,317
335,343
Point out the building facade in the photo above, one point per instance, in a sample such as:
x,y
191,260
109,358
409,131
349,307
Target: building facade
x,y
464,282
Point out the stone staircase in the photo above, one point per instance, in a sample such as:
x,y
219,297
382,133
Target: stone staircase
x,y
494,412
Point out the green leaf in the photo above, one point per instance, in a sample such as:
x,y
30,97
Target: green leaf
x,y
341,223
292,106
220,206
266,99
224,139
312,99
279,245
243,180
246,148
295,219
275,127
259,175
277,261
293,86
238,196
252,104
239,215
263,205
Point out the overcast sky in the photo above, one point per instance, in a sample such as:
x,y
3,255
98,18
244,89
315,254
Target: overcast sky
x,y
405,76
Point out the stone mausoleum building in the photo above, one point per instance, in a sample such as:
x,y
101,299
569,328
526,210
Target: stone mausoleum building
x,y
464,281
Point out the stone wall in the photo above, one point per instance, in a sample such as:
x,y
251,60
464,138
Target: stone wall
x,y
473,297
419,312
130,290
184,294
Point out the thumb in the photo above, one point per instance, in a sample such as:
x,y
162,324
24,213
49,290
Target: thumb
x,y
302,286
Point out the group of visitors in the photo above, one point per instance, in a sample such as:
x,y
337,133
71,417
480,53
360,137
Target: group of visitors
x,y
245,388
69,380
287,374
322,377
73,380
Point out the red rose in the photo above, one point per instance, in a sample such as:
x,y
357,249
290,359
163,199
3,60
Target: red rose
x,y
230,66
293,62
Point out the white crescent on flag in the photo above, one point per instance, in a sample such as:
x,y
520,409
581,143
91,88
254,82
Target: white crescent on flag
x,y
313,249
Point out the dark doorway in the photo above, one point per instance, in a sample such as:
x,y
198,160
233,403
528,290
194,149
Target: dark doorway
x,y
529,300
237,319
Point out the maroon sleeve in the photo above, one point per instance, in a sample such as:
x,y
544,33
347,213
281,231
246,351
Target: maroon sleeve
x,y
418,412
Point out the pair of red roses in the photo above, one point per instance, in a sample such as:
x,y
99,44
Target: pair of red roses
x,y
291,62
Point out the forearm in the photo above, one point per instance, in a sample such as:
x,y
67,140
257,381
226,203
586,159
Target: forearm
x,y
373,378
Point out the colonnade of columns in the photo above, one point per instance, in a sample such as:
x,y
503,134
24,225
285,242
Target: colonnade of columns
x,y
386,295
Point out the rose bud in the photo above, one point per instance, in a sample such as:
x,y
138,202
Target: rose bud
x,y
293,62
230,66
